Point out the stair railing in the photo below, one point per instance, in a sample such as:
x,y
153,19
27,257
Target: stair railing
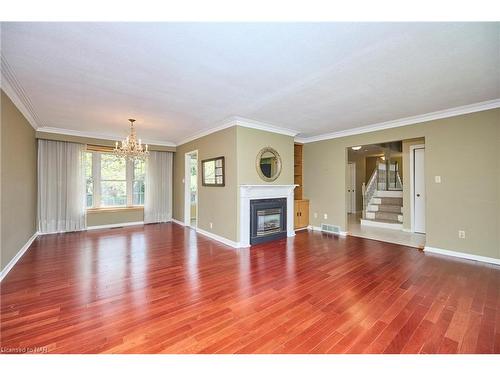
x,y
399,183
368,190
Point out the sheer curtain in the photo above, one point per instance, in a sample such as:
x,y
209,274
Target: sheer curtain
x,y
158,187
61,187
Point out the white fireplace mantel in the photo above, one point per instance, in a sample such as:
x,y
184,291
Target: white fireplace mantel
x,y
249,192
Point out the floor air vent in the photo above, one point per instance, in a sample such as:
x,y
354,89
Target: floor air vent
x,y
330,228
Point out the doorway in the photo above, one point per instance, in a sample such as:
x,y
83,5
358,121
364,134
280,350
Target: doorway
x,y
191,189
375,178
351,187
417,171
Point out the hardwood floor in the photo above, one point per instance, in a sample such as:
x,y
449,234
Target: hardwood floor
x,y
164,289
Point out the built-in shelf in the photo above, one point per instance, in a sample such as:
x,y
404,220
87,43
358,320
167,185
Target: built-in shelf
x,y
298,171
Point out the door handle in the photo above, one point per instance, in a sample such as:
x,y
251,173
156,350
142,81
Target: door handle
x,y
418,195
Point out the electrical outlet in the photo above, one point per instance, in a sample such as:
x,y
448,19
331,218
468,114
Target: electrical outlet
x,y
461,234
325,216
211,225
437,179
315,215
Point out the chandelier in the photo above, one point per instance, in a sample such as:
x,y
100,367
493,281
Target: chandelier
x,y
131,147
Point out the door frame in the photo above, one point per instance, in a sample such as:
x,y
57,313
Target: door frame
x,y
353,177
412,186
187,200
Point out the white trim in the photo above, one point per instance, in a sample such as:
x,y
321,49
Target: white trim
x,y
458,254
412,185
450,112
187,180
218,238
353,197
118,225
18,256
16,95
178,222
240,121
78,133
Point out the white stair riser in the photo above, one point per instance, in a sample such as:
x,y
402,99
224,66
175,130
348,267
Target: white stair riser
x,y
379,224
400,218
389,193
370,215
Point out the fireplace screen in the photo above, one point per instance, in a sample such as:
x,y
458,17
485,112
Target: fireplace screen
x,y
268,221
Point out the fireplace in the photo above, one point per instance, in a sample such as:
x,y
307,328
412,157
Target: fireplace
x,y
267,220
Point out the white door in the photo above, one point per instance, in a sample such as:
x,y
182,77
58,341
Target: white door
x,y
351,188
419,190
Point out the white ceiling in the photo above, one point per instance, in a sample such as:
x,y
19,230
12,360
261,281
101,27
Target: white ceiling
x,y
179,79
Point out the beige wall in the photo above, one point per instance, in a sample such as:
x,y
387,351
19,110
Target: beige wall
x,y
18,181
371,164
216,205
463,150
250,142
118,216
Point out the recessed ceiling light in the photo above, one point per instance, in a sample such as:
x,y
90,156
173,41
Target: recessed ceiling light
x,y
356,148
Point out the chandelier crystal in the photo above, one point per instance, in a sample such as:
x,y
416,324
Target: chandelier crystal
x,y
131,148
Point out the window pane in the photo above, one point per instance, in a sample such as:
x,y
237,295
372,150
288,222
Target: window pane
x,y
112,167
138,193
87,163
139,170
89,194
113,193
89,185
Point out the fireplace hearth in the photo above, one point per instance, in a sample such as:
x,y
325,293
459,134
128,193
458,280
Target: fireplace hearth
x,y
267,220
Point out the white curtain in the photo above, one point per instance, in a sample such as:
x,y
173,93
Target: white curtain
x,y
61,187
158,187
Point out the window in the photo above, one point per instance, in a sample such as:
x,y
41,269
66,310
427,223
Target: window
x,y
139,172
113,181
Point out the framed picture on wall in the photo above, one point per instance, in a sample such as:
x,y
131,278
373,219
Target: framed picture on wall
x,y
213,172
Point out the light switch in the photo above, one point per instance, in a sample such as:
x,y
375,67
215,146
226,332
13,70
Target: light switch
x,y
437,179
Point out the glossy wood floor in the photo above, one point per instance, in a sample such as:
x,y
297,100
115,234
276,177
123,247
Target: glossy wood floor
x,y
162,288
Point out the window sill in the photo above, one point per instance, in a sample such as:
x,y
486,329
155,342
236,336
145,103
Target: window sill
x,y
114,209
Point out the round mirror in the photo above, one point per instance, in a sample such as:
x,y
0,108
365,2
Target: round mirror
x,y
268,164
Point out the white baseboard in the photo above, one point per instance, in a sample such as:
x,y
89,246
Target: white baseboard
x,y
178,222
216,237
18,256
106,226
458,254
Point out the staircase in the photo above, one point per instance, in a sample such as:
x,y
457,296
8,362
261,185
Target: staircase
x,y
384,209
383,198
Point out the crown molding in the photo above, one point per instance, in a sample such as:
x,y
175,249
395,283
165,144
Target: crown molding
x,y
77,133
244,122
13,89
248,123
451,112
